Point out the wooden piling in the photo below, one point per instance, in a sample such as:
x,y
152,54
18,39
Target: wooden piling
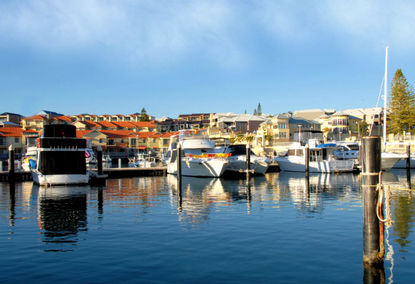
x,y
179,162
371,167
11,164
408,159
119,163
307,160
248,161
179,194
408,165
99,161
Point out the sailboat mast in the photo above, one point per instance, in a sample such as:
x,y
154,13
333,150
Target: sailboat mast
x,y
385,89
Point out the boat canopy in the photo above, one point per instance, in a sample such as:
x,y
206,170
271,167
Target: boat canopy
x,y
326,145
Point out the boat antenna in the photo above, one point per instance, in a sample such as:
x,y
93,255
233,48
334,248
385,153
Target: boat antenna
x,y
385,97
377,103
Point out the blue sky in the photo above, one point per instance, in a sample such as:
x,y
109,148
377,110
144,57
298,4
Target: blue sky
x,y
173,57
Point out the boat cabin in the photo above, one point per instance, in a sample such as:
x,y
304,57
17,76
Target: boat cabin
x,y
60,152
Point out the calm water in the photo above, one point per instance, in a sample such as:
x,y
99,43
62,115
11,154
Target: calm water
x,y
141,231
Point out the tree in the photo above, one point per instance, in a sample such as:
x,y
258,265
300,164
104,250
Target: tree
x,y
362,128
143,115
401,105
259,110
255,112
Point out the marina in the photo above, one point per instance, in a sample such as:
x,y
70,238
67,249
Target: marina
x,y
281,227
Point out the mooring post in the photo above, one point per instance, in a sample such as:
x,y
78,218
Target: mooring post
x,y
179,162
371,167
408,158
119,163
12,191
100,201
307,159
99,160
11,164
248,161
179,194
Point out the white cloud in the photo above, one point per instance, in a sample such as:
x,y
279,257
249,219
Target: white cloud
x,y
371,22
169,30
143,29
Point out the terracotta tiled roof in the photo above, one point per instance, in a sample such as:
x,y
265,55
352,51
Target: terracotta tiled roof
x,y
90,124
107,124
141,124
63,118
116,133
11,131
169,134
81,133
124,124
35,117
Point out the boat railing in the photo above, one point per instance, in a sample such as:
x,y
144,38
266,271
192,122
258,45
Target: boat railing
x,y
68,143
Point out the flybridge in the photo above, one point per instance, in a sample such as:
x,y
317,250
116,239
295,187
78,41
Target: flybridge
x,y
62,143
60,136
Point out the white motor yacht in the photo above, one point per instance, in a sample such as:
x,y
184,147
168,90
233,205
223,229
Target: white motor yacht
x,y
198,155
29,159
60,157
142,161
389,160
237,160
321,160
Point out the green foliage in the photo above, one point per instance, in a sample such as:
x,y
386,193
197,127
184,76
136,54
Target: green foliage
x,y
259,110
362,128
268,137
143,115
401,105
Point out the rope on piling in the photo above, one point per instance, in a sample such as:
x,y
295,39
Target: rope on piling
x,y
379,206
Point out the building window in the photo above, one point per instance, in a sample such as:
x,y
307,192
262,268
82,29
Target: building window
x,y
16,140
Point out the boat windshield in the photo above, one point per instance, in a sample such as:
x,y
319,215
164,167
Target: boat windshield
x,y
238,150
62,162
197,134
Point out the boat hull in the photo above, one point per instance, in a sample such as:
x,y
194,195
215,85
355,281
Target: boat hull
x,y
239,165
389,160
294,164
199,168
42,179
401,164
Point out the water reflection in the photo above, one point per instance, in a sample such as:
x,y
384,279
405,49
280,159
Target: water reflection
x,y
309,192
62,213
212,208
12,203
197,196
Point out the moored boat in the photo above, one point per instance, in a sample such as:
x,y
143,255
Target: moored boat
x,y
321,160
60,157
199,157
29,159
237,160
